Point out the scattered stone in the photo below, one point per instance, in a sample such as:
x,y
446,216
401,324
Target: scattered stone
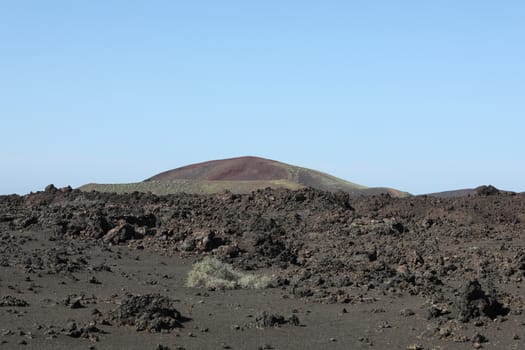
x,y
74,301
189,245
162,347
474,302
265,347
479,338
433,312
431,330
293,320
89,331
94,280
7,332
50,188
11,301
460,339
415,347
151,312
479,323
384,325
444,332
120,234
406,312
266,319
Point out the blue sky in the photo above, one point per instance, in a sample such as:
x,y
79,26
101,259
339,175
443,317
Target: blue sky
x,y
418,95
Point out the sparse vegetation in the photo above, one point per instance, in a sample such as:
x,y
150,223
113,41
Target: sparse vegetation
x,y
212,273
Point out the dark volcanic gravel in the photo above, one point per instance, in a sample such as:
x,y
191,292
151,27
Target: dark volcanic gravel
x,y
462,259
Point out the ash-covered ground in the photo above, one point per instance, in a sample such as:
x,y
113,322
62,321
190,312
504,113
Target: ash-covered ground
x,y
87,270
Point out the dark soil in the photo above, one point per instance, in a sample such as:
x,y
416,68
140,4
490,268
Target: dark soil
x,y
84,269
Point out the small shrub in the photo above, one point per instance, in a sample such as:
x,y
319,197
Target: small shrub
x,y
214,274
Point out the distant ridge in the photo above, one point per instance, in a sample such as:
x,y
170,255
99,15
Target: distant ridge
x,y
484,190
241,175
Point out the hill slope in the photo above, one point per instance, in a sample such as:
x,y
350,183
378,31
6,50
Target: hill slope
x,y
240,175
481,190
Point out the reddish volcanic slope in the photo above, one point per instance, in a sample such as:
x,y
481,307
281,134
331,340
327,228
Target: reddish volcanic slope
x,y
234,169
260,173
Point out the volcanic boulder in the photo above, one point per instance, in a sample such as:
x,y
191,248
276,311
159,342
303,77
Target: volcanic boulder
x,y
151,312
474,302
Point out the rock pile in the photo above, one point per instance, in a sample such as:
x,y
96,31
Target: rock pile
x,y
150,312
